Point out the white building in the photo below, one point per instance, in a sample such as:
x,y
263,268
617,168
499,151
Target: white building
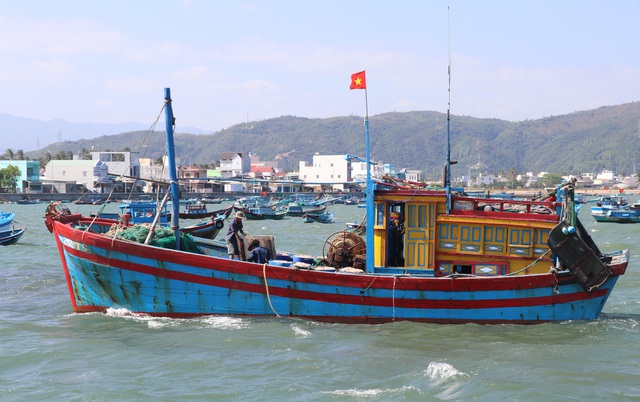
x,y
153,172
334,170
124,164
234,164
90,174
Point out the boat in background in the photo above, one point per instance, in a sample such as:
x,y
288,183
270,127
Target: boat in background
x,y
323,217
265,212
6,219
434,256
300,210
11,236
149,213
626,215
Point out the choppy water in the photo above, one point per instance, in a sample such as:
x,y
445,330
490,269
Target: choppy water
x,y
48,353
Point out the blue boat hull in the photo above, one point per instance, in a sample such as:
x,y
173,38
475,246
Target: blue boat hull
x,y
103,274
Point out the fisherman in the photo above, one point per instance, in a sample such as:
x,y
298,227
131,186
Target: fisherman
x,y
233,239
257,253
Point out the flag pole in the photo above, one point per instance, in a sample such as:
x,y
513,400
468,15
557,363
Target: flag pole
x,y
369,192
359,81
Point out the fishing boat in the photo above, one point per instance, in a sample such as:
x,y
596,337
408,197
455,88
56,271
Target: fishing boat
x,y
149,213
265,212
458,263
609,203
199,211
210,227
195,210
323,217
300,210
11,236
620,215
6,219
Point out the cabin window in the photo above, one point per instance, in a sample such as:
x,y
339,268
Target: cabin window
x,y
462,269
380,214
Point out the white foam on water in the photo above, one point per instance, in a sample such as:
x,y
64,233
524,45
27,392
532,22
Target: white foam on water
x,y
220,322
440,372
371,393
299,332
225,322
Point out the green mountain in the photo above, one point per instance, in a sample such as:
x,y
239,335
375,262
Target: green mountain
x,y
586,141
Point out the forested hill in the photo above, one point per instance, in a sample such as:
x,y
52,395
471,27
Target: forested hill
x,y
586,141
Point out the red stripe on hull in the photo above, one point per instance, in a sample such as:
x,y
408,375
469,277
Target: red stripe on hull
x,y
453,285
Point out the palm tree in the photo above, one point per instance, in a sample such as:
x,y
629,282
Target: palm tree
x,y
8,154
19,155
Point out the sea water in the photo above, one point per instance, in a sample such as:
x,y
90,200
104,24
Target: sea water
x,y
49,353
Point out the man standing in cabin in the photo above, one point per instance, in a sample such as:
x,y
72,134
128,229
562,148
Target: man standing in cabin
x,y
233,239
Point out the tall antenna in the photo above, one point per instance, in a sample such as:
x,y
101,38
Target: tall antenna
x,y
447,169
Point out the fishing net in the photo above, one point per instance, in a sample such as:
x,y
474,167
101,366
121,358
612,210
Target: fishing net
x,y
162,237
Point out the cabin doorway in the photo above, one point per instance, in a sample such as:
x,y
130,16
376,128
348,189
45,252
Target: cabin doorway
x,y
395,236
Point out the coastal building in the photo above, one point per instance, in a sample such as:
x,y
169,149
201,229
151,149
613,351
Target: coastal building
x,y
153,172
29,179
71,176
330,170
606,178
234,164
123,164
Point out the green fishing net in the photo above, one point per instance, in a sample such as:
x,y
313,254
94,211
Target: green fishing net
x,y
162,237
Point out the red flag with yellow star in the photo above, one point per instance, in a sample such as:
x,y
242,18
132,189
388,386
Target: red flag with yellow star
x,y
358,81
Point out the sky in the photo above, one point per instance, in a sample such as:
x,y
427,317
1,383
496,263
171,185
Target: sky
x,y
229,62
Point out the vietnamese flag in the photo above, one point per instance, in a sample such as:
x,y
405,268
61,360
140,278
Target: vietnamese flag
x,y
358,81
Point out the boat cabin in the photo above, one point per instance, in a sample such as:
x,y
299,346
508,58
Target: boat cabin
x,y
479,236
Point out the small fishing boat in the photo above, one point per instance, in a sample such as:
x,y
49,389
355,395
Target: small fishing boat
x,y
300,210
195,210
265,212
207,229
619,215
352,201
11,236
144,212
324,217
609,203
428,255
89,201
6,219
199,211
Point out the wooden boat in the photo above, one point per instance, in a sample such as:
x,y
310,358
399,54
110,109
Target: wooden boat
x,y
459,263
195,210
324,217
89,201
144,212
6,219
209,228
626,215
265,212
352,201
609,202
198,213
11,236
300,210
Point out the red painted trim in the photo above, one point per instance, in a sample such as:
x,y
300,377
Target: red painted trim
x,y
451,284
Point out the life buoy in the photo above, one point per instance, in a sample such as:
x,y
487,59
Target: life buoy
x,y
621,190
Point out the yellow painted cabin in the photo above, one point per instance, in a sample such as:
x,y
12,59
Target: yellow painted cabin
x,y
479,236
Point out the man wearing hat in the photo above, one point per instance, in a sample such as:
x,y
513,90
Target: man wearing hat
x,y
234,241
